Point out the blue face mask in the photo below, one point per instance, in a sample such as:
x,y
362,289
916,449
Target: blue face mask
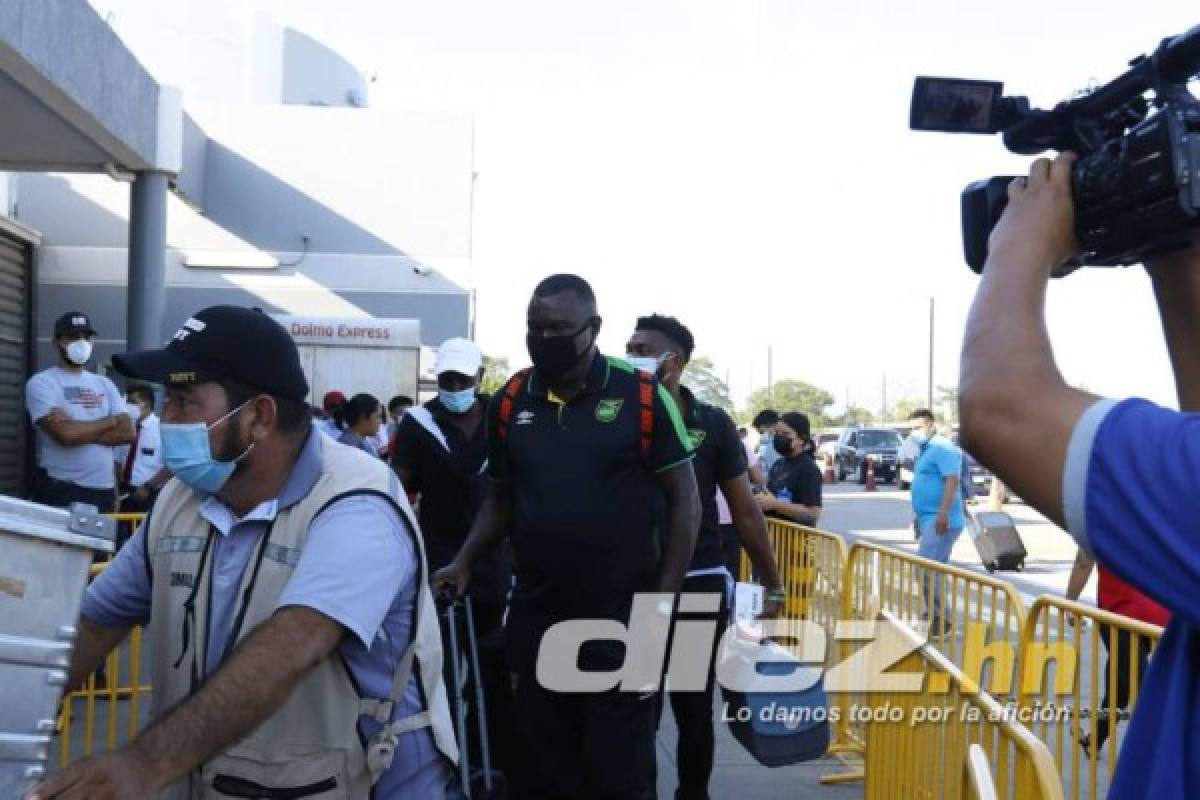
x,y
457,402
651,364
187,454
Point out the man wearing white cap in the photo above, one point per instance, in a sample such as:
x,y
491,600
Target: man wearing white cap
x,y
440,454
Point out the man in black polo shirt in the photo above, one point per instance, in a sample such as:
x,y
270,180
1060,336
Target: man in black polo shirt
x,y
582,451
663,345
439,452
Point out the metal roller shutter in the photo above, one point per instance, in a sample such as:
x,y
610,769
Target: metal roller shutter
x,y
15,256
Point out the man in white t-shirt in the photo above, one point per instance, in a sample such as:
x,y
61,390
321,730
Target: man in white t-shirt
x,y
79,417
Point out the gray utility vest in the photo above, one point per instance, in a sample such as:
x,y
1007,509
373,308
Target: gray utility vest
x,y
310,746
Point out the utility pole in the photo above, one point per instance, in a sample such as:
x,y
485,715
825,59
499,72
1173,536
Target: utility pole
x,y
883,415
770,376
930,386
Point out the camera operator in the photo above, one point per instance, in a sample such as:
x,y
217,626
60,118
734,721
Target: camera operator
x,y
1119,475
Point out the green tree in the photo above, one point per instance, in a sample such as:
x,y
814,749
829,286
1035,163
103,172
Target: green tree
x,y
854,416
903,409
947,402
702,379
495,373
792,395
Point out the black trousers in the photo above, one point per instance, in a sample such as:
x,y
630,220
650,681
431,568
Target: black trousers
x,y
1120,662
60,494
693,710
584,746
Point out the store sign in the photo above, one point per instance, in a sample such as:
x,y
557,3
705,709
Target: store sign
x,y
352,331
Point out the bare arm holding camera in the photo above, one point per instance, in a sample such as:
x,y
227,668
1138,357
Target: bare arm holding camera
x,y
1011,391
1176,281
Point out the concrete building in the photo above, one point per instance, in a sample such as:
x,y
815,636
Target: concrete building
x,y
166,156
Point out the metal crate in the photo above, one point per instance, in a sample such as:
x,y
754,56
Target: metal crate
x,y
45,554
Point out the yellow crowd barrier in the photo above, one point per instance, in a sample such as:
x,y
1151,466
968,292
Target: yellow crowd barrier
x,y
979,775
1059,638
968,612
98,706
812,565
919,740
923,593
134,517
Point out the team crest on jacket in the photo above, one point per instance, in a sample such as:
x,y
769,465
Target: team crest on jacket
x,y
697,436
607,409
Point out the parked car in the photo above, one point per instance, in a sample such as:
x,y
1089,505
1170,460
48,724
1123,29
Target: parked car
x,y
827,445
856,444
979,480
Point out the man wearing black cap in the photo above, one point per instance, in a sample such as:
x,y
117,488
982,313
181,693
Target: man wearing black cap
x,y
79,417
295,647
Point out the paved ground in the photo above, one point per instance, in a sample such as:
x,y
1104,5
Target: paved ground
x,y
882,517
885,517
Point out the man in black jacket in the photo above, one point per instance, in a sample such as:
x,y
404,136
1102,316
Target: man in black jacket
x,y
440,456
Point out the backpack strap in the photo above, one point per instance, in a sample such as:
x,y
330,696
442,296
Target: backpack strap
x,y
646,397
508,398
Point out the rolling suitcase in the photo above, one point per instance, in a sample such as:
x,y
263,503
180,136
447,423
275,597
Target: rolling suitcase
x,y
998,542
45,554
482,782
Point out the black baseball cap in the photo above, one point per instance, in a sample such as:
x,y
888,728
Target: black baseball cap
x,y
224,343
73,321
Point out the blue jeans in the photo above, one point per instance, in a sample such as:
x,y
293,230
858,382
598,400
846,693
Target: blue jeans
x,y
936,547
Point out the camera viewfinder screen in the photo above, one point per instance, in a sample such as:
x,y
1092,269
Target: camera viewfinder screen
x,y
949,104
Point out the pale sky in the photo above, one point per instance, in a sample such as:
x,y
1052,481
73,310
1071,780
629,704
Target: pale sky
x,y
747,167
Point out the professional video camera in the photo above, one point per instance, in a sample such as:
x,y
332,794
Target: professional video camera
x,y
1136,183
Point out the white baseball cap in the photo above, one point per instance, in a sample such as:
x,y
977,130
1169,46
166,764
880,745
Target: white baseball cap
x,y
458,355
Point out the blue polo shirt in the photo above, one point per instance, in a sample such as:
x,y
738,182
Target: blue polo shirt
x,y
358,567
938,460
1129,497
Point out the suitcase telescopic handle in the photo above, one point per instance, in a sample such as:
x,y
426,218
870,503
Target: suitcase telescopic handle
x,y
460,713
480,706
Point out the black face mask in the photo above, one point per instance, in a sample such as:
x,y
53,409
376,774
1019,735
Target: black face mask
x,y
782,444
553,356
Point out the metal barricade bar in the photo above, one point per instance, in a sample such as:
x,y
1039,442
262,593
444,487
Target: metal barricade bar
x,y
122,692
1053,652
972,611
919,740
